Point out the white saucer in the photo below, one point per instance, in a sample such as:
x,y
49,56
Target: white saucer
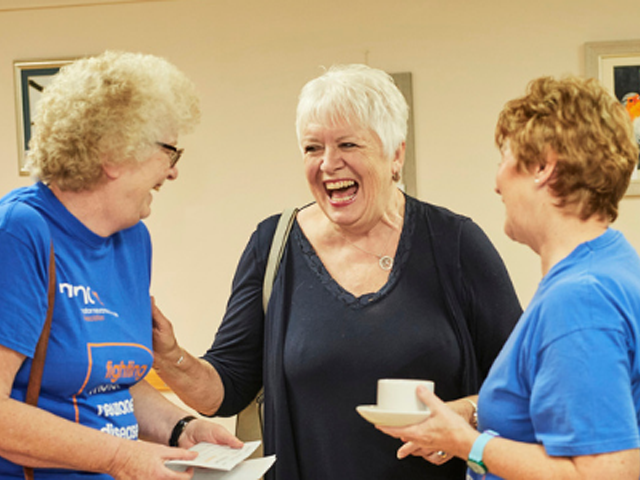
x,y
389,418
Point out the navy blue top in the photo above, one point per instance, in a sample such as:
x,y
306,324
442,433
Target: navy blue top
x,y
320,350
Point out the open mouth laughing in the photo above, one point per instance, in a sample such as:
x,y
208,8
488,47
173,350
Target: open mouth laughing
x,y
341,192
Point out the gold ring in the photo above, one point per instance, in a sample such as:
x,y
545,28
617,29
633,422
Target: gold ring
x,y
442,454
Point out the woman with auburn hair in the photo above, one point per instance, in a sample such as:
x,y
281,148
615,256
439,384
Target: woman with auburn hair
x,y
562,400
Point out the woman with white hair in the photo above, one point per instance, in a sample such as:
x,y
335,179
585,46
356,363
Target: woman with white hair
x,y
372,284
104,138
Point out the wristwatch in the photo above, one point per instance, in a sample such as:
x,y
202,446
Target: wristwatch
x,y
475,462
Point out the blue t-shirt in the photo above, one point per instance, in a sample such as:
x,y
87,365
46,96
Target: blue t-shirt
x,y
100,341
569,376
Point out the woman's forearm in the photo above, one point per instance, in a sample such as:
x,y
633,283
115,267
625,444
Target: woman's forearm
x,y
523,461
156,415
194,380
35,438
467,408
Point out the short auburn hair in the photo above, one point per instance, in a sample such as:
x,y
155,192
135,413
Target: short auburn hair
x,y
587,128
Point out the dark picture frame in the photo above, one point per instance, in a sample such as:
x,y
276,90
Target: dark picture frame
x,y
31,77
617,65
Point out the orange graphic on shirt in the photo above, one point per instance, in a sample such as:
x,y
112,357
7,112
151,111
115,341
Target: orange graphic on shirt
x,y
95,294
130,370
114,371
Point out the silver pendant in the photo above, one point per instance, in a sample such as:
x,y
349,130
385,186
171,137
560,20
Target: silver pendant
x,y
386,262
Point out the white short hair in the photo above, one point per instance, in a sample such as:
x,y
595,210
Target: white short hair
x,y
358,94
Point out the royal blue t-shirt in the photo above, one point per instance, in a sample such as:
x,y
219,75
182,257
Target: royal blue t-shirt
x,y
100,341
568,378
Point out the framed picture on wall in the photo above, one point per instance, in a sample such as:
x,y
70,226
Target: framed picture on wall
x,y
31,78
617,66
408,181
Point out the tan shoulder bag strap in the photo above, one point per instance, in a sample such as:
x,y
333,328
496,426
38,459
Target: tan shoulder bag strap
x,y
37,365
249,422
275,253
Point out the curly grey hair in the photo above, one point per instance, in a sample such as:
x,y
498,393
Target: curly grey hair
x,y
112,107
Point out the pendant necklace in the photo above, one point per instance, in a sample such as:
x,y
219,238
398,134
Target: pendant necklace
x,y
385,261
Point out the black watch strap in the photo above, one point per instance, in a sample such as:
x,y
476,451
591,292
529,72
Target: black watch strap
x,y
178,429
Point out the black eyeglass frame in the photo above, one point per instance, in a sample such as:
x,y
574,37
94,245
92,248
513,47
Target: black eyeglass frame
x,y
174,153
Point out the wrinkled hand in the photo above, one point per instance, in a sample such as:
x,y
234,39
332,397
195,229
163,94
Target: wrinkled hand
x,y
437,458
202,430
141,460
444,430
164,338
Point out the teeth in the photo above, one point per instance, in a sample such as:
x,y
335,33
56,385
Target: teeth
x,y
344,200
341,184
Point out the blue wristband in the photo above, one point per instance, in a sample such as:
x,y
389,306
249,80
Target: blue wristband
x,y
475,462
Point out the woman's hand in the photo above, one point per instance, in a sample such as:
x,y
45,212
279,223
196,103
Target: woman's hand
x,y
443,431
448,432
194,380
144,460
202,430
437,457
165,344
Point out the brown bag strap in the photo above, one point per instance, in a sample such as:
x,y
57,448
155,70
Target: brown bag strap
x,y
37,365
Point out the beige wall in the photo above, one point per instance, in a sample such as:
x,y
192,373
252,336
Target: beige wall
x,y
249,59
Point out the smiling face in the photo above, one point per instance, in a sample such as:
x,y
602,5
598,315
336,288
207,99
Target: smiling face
x,y
137,180
348,173
515,187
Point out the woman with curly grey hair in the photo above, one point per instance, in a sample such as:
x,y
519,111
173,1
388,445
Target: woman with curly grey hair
x,y
373,283
562,400
104,138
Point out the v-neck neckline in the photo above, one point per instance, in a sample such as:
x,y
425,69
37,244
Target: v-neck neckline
x,y
402,253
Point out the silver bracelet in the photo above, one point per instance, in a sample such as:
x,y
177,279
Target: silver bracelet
x,y
180,360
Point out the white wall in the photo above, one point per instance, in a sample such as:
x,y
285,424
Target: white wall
x,y
250,58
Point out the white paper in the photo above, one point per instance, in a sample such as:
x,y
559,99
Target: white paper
x,y
217,457
248,470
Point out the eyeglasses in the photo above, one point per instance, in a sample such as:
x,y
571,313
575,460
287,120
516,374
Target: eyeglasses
x,y
173,152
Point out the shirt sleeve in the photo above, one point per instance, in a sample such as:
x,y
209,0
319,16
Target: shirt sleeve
x,y
581,397
24,254
238,346
490,302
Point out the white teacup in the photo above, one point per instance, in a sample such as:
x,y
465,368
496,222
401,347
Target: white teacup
x,y
399,395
